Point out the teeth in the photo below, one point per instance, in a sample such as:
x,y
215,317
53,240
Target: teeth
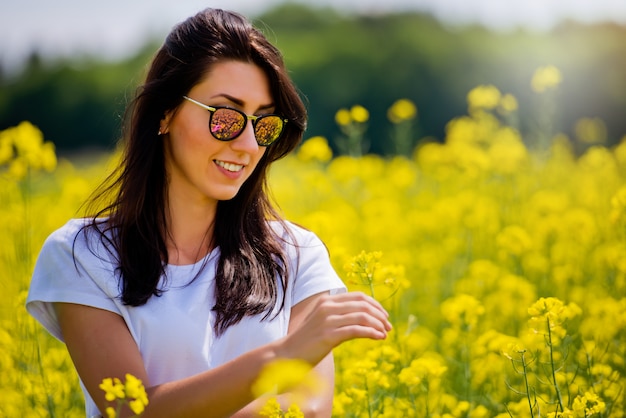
x,y
229,166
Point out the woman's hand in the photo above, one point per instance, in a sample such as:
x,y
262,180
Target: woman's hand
x,y
333,320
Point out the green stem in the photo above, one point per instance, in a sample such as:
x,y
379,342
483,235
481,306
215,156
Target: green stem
x,y
369,401
556,385
467,372
530,404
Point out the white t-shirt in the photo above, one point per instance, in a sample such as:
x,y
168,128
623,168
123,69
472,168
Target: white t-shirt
x,y
174,332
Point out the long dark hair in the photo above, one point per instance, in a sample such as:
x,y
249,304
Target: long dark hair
x,y
251,254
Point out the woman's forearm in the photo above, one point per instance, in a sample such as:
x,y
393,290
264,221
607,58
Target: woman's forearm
x,y
219,392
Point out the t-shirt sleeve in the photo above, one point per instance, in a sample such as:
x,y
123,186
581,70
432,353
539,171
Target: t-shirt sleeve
x,y
313,273
68,271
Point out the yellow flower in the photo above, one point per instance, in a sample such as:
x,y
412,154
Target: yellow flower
x,y
282,375
514,240
428,368
6,147
462,311
48,157
271,409
22,148
315,149
137,406
18,168
134,388
294,412
341,404
27,138
483,97
361,268
591,131
131,392
553,313
111,413
343,117
507,151
402,110
113,389
588,405
508,103
359,114
545,78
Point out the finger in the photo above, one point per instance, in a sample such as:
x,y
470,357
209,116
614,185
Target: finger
x,y
357,296
362,319
359,307
357,331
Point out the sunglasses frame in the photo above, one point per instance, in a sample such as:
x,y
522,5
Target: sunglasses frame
x,y
246,118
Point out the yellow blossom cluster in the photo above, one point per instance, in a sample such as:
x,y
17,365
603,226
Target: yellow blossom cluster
x,y
504,273
273,409
402,110
22,148
131,392
546,78
356,114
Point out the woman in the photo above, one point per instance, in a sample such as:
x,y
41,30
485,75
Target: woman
x,y
188,279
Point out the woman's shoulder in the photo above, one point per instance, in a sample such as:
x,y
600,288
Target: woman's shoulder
x,y
76,236
294,234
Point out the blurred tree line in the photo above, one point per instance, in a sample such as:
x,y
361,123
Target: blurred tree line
x,y
340,60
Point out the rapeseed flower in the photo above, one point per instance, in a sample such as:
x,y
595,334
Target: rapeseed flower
x,y
131,392
545,78
343,117
315,149
283,375
462,311
591,131
549,315
402,110
22,148
359,114
508,103
113,389
483,97
426,370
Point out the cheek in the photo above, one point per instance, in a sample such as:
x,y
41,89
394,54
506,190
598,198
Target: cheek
x,y
190,138
259,157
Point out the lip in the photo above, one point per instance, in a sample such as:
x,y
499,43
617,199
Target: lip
x,y
230,169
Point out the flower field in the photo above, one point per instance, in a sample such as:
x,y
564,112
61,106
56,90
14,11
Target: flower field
x,y
502,264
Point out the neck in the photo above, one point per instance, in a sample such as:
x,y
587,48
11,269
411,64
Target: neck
x,y
190,229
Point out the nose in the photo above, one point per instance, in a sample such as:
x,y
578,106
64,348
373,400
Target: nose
x,y
246,142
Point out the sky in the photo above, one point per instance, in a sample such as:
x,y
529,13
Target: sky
x,y
118,28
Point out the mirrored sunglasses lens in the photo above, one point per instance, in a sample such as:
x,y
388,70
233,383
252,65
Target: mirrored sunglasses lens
x,y
226,124
268,129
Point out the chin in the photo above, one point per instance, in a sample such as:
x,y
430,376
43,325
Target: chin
x,y
226,195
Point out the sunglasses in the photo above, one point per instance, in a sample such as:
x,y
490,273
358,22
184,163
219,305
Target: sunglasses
x,y
226,124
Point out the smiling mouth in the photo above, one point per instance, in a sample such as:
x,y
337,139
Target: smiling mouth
x,y
229,166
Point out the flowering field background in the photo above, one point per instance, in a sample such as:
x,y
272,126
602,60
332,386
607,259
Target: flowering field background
x,y
500,258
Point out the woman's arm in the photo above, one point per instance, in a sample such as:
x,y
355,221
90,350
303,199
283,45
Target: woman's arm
x,y
319,404
101,346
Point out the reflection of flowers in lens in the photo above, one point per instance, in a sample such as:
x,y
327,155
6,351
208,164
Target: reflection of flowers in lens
x,y
268,129
227,123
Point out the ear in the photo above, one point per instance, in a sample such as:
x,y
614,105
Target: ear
x,y
164,125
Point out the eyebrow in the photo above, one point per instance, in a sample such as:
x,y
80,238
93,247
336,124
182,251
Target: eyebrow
x,y
241,103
